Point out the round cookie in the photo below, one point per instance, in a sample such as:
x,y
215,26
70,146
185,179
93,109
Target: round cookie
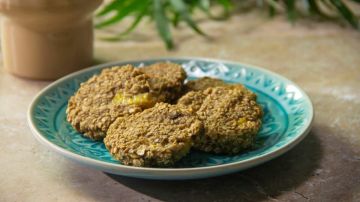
x,y
115,92
166,78
230,115
155,137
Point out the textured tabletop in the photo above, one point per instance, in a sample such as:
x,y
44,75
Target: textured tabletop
x,y
323,59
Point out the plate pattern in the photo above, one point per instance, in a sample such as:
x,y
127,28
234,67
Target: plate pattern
x,y
286,112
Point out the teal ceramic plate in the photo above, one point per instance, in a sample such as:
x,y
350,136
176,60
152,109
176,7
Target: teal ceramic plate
x,y
288,117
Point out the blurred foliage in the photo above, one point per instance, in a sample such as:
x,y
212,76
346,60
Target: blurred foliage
x,y
169,13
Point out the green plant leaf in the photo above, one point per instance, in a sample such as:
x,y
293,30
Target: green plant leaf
x,y
133,6
290,9
113,6
134,24
226,4
346,13
204,6
180,7
162,23
314,8
131,28
176,19
273,6
272,9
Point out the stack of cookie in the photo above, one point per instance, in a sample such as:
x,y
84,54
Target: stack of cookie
x,y
148,117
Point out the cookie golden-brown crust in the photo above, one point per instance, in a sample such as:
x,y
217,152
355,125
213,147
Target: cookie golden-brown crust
x,y
166,78
203,83
230,115
92,109
155,137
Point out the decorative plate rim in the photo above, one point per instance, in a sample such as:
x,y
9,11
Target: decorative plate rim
x,y
101,164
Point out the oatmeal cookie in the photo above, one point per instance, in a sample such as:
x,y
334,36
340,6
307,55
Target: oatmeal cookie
x,y
115,92
230,115
155,137
166,78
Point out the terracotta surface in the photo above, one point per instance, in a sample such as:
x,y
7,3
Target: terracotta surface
x,y
322,58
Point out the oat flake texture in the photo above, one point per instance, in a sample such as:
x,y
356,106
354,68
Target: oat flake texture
x,y
156,137
230,115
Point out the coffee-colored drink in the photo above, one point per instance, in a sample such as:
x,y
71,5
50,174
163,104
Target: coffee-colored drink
x,y
46,39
